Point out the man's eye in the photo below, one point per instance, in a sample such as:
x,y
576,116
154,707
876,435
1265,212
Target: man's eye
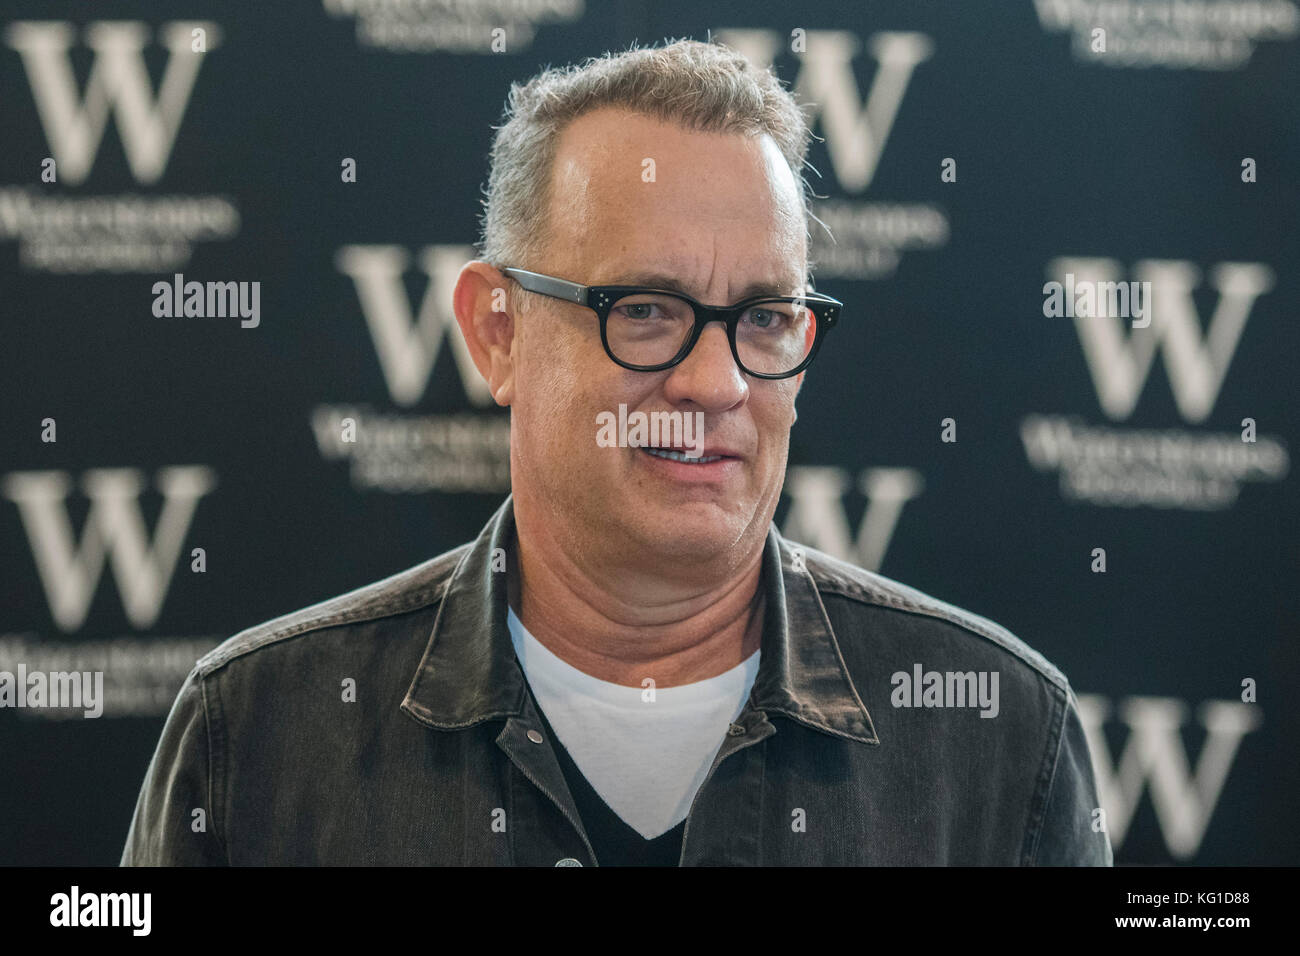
x,y
640,310
764,318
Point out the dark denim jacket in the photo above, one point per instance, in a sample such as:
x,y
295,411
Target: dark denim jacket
x,y
440,760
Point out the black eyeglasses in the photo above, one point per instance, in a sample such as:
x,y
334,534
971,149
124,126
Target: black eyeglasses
x,y
648,330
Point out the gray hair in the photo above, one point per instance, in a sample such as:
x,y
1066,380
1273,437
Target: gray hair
x,y
705,87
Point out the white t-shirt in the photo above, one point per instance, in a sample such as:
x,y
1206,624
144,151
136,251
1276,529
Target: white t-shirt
x,y
645,758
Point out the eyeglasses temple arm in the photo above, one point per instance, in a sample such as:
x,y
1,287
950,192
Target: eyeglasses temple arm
x,y
548,285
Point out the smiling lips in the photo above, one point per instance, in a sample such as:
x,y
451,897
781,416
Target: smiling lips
x,y
672,455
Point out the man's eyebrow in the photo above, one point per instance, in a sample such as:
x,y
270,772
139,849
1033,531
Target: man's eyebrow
x,y
670,283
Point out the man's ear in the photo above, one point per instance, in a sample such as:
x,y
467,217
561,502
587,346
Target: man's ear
x,y
482,312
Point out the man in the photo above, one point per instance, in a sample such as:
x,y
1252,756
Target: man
x,y
630,665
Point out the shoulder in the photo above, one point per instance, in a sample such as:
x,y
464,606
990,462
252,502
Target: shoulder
x,y
415,588
865,591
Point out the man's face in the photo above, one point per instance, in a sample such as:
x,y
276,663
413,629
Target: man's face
x,y
722,213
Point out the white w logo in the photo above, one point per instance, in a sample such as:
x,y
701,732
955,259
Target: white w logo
x,y
1196,364
817,516
114,526
118,81
408,349
1154,754
855,134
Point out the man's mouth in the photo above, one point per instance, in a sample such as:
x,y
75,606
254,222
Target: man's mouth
x,y
673,455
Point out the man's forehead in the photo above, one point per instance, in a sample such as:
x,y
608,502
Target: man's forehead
x,y
678,210
615,149
731,176
680,274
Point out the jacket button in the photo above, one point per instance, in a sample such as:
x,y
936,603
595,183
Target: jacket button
x,y
568,861
735,730
535,736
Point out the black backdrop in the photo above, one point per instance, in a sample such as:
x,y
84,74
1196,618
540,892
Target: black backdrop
x,y
1072,434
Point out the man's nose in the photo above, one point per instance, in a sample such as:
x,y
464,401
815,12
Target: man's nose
x,y
709,376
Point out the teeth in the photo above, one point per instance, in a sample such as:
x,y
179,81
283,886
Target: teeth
x,y
678,456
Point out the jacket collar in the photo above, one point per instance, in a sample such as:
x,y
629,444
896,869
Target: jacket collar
x,y
469,672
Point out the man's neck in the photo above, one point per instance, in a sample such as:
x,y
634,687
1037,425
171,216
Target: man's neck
x,y
625,631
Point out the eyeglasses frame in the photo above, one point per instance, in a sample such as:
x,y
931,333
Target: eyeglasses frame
x,y
601,298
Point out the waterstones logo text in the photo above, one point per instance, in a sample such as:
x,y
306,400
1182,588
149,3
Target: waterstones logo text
x,y
674,435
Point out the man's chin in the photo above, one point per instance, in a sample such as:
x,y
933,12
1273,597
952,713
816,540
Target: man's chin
x,y
686,530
